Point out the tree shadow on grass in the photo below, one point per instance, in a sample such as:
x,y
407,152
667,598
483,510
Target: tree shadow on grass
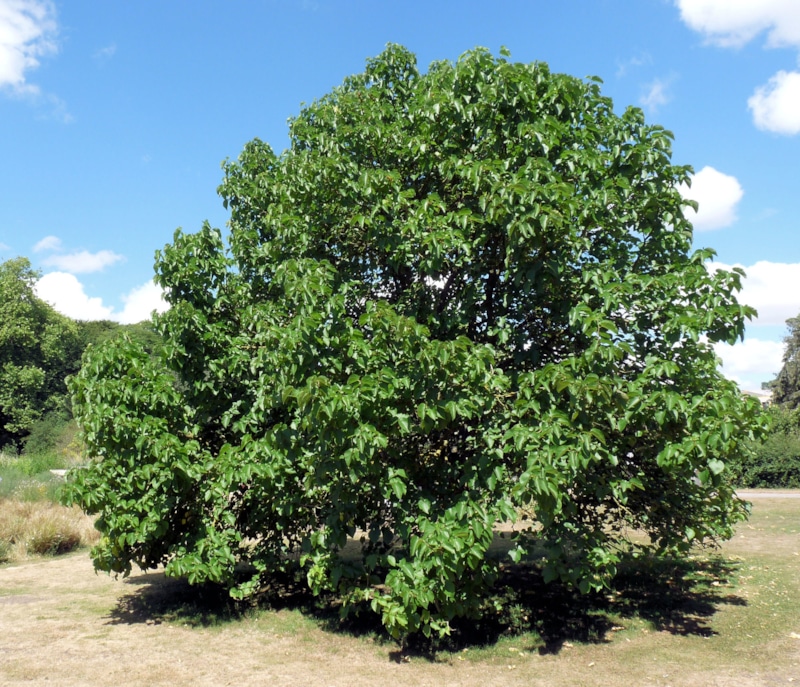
x,y
674,595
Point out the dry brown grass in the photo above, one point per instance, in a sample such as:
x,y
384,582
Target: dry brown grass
x,y
41,528
733,619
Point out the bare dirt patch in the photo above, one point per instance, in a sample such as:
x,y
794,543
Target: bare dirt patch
x,y
62,624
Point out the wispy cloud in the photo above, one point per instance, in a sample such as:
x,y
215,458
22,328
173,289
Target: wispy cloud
x,y
48,243
82,262
656,94
28,31
623,67
106,53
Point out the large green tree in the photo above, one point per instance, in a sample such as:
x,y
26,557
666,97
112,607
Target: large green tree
x,y
457,294
786,385
38,349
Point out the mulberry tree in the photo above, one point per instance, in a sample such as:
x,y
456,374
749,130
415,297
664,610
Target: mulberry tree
x,y
457,294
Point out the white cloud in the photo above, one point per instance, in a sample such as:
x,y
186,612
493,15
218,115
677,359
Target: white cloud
x,y
772,288
732,23
717,195
4,247
28,31
83,261
776,106
48,243
751,362
140,303
67,295
657,94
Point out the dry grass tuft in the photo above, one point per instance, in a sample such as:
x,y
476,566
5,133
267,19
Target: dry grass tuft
x,y
41,528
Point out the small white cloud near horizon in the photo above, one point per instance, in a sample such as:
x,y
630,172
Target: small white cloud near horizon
x,y
67,295
717,195
82,262
3,247
750,362
776,105
772,288
141,302
47,243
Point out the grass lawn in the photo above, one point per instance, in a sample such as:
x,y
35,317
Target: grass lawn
x,y
730,617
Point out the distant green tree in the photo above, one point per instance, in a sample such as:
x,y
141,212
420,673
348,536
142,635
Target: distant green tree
x,y
786,385
775,461
96,332
38,349
456,295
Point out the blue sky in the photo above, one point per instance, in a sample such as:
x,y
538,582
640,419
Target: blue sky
x,y
115,118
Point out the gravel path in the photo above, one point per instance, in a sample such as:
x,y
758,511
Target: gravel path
x,y
768,494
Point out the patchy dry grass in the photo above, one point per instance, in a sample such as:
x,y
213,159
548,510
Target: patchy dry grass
x,y
731,618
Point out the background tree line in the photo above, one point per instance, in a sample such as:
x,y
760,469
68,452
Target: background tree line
x,y
775,462
39,349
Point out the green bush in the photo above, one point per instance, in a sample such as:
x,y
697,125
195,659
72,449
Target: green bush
x,y
48,434
775,461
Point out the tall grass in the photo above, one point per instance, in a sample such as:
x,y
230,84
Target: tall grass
x,y
32,522
42,528
28,478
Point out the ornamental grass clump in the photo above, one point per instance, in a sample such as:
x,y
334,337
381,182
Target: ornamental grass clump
x,y
42,528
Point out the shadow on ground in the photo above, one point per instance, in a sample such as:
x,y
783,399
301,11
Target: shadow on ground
x,y
676,596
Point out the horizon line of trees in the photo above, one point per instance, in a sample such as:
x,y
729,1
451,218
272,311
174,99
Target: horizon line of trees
x,y
39,349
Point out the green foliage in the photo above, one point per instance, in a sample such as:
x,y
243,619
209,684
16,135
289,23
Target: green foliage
x,y
38,349
775,461
786,385
456,295
52,434
96,332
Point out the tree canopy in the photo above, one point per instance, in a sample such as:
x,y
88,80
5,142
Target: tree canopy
x,y
786,385
38,349
458,294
